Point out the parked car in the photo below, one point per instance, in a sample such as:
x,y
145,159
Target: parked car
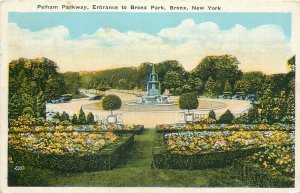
x,y
95,97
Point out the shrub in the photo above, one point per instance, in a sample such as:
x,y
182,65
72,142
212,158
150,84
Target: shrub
x,y
28,111
64,116
57,116
253,116
212,114
226,118
90,118
111,102
27,176
188,101
242,119
74,119
81,117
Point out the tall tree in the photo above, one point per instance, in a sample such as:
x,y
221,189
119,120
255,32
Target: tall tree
x,y
31,83
209,89
221,68
227,88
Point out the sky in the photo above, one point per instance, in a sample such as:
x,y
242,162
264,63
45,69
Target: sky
x,y
96,41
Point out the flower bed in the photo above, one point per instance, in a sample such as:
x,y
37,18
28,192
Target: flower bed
x,y
69,151
223,127
279,174
188,150
136,129
61,143
209,141
276,158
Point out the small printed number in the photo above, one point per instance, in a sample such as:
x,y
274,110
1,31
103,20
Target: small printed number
x,y
19,168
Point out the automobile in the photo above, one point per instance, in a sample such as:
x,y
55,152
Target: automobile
x,y
95,97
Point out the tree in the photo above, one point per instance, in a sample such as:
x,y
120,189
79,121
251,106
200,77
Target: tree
x,y
81,117
40,105
196,84
72,81
209,87
188,101
64,116
281,106
28,111
111,102
292,64
90,118
221,68
253,116
290,110
255,80
172,80
186,88
267,104
212,114
227,88
74,119
241,86
226,118
32,82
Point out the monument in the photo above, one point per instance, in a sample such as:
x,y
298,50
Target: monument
x,y
153,93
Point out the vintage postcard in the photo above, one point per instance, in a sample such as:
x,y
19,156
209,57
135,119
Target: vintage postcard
x,y
149,96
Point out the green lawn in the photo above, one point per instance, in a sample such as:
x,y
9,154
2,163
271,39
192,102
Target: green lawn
x,y
79,96
138,172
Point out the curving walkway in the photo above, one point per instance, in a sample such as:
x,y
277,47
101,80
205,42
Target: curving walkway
x,y
150,115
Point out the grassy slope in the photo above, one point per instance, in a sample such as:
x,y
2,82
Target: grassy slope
x,y
138,172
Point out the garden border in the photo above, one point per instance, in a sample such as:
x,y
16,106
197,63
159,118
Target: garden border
x,y
164,159
137,130
106,159
160,130
255,176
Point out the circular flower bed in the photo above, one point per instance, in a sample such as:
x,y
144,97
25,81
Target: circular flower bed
x,y
210,141
60,143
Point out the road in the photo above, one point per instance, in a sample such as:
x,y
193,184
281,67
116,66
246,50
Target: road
x,y
147,118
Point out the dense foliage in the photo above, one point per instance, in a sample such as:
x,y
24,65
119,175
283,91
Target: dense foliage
x,y
33,82
111,102
208,141
60,143
188,101
225,127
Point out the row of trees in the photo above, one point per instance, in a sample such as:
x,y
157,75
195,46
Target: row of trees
x,y
82,119
33,82
213,76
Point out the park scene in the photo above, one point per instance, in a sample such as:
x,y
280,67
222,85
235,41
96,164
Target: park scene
x,y
131,114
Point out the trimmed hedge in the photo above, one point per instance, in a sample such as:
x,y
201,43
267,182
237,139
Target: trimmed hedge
x,y
256,176
160,130
106,159
137,130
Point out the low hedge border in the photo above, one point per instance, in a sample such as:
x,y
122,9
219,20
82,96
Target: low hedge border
x,y
106,159
137,130
160,130
164,159
255,176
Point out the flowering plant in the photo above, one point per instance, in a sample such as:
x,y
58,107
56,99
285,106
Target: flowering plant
x,y
209,141
240,127
61,142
